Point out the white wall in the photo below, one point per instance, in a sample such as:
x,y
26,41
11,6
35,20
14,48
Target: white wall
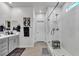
x,y
4,13
51,24
18,14
70,29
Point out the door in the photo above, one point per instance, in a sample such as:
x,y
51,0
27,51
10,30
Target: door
x,y
40,30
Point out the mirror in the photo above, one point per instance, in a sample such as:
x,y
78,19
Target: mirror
x,y
7,25
15,25
12,25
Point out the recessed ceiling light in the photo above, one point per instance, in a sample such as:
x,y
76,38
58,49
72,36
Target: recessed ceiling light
x,y
40,11
10,2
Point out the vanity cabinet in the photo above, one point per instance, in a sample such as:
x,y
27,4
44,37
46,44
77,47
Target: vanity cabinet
x,y
3,46
13,42
8,44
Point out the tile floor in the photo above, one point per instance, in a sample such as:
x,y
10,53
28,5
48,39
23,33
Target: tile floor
x,y
36,50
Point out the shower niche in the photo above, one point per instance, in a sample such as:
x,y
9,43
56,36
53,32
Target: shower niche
x,y
26,26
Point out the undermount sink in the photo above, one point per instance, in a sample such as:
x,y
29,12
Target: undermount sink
x,y
4,35
1,35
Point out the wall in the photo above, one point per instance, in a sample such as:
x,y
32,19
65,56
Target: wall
x,y
51,24
15,15
4,13
70,29
18,14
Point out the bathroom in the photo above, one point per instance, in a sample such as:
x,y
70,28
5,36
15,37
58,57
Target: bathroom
x,y
39,29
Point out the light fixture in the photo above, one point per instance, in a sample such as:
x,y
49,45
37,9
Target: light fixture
x,y
10,2
40,11
72,6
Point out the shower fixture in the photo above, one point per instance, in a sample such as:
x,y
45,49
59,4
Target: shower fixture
x,y
56,28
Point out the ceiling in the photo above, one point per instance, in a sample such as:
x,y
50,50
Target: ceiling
x,y
38,5
32,4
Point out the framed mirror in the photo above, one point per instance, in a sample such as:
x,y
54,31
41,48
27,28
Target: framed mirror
x,y
7,24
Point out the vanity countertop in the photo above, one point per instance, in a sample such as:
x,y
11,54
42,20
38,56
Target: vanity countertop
x,y
6,36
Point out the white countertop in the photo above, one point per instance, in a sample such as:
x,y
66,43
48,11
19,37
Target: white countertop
x,y
6,36
58,52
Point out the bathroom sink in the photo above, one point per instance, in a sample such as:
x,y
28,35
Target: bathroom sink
x,y
1,35
4,35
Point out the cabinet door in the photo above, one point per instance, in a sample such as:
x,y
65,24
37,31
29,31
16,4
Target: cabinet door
x,y
16,41
3,46
11,44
